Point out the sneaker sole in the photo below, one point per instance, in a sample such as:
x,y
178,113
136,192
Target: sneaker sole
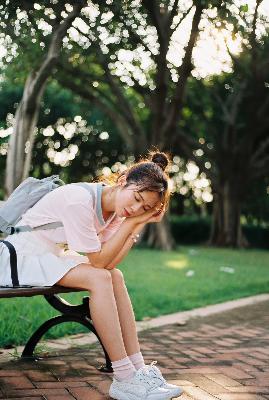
x,y
173,396
179,393
121,396
114,394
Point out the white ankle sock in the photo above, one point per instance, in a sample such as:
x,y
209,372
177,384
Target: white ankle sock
x,y
123,369
137,360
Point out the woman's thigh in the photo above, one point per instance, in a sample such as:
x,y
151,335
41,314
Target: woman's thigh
x,y
85,276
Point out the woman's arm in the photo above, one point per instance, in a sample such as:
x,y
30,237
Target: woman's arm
x,y
111,248
137,224
125,248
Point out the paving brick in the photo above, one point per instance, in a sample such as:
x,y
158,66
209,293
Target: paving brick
x,y
239,396
86,378
60,384
37,376
7,372
206,384
259,355
179,382
198,370
252,360
65,397
246,367
180,359
18,382
28,398
198,394
184,397
36,392
223,380
102,386
250,389
204,350
87,394
235,373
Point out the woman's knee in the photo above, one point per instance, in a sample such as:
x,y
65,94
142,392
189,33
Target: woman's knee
x,y
100,277
86,276
117,276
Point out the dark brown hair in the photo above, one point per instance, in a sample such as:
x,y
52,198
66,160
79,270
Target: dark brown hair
x,y
148,174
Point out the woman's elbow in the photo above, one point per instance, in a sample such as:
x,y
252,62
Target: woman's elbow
x,y
95,262
110,266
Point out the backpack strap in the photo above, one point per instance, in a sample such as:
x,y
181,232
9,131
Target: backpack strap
x,y
13,263
27,228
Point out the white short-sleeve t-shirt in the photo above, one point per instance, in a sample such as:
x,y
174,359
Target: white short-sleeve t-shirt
x,y
80,211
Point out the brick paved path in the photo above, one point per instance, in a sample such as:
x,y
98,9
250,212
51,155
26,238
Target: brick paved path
x,y
223,357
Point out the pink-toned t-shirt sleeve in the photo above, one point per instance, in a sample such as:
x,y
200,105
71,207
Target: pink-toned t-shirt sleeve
x,y
78,221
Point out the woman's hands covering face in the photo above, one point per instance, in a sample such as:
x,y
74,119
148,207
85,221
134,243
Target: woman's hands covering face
x,y
153,215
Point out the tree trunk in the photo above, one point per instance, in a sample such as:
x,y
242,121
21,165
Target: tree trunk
x,y
159,235
18,161
226,229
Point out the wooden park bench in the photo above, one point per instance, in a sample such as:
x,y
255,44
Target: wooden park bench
x,y
69,313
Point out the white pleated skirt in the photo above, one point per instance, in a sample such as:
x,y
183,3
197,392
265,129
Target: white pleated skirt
x,y
40,262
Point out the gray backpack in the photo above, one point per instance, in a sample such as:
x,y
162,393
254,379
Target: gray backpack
x,y
25,196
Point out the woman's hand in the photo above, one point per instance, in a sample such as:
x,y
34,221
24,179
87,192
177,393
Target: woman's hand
x,y
152,215
158,216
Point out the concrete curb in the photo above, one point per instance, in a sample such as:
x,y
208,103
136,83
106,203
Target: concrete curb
x,y
179,318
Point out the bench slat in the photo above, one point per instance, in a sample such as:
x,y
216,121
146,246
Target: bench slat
x,y
35,290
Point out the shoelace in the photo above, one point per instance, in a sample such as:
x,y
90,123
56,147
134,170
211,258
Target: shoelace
x,y
155,373
145,376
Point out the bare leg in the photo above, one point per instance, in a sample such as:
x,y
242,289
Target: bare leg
x,y
125,312
102,305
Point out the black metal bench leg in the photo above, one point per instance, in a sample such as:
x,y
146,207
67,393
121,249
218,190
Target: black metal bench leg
x,y
71,313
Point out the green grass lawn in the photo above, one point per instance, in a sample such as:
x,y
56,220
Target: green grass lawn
x,y
158,284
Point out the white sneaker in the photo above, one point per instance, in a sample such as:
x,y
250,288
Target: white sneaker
x,y
156,376
139,387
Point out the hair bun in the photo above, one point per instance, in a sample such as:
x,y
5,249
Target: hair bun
x,y
160,159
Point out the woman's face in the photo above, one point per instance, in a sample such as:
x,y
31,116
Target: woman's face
x,y
129,202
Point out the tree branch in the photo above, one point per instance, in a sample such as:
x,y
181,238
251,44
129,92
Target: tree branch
x,y
260,151
54,49
261,169
154,14
111,112
134,37
181,20
183,72
253,39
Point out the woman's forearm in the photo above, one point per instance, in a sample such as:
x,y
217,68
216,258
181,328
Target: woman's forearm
x,y
111,248
125,248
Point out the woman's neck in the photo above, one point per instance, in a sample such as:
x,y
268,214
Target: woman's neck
x,y
108,202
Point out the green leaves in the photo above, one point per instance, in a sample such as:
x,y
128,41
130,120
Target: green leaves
x,y
243,8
